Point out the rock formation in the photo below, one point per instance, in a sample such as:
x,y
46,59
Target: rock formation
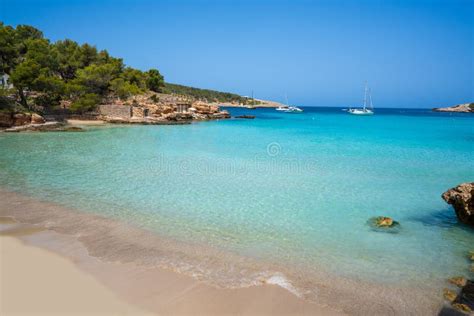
x,y
21,119
37,119
155,108
465,108
9,119
462,200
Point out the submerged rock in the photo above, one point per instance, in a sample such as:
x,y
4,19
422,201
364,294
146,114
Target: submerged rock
x,y
458,281
462,307
462,200
449,295
471,255
465,300
384,224
251,117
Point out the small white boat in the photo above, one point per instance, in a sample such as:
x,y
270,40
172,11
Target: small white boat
x,y
366,110
288,108
360,112
293,109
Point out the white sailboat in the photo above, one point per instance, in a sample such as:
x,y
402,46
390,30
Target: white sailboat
x,y
288,108
282,108
366,110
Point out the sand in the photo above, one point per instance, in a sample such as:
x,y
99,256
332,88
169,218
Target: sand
x,y
35,280
85,122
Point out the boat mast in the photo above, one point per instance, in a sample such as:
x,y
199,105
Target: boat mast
x,y
370,99
365,95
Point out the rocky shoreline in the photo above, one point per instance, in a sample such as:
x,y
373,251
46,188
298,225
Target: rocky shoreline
x,y
147,109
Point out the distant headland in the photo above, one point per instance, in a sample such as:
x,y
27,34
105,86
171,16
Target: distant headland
x,y
463,108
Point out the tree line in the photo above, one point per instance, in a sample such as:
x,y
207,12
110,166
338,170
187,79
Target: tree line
x,y
44,73
205,94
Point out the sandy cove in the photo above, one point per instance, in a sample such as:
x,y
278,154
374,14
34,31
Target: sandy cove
x,y
80,284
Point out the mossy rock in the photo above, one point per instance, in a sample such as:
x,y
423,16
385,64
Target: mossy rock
x,y
458,281
462,307
466,297
384,224
449,295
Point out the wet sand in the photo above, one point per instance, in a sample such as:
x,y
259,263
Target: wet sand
x,y
46,272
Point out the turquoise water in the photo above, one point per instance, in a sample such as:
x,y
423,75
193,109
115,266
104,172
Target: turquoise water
x,y
289,189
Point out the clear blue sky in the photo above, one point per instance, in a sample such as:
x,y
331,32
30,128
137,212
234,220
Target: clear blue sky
x,y
413,53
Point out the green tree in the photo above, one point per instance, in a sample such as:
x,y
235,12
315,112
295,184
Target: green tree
x,y
136,77
23,77
96,78
23,33
123,89
69,57
155,80
87,102
8,49
88,55
40,51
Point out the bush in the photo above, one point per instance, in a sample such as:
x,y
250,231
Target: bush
x,y
87,102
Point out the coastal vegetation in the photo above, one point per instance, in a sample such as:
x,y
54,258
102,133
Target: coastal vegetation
x,y
208,95
40,75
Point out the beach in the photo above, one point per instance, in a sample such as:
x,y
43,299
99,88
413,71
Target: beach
x,y
33,258
26,271
240,216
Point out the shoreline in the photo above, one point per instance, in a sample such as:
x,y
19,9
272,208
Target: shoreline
x,y
131,288
128,260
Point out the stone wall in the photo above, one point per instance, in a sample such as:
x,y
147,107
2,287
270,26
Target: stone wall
x,y
115,110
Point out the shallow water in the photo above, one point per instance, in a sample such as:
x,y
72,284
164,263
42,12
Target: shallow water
x,y
293,190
